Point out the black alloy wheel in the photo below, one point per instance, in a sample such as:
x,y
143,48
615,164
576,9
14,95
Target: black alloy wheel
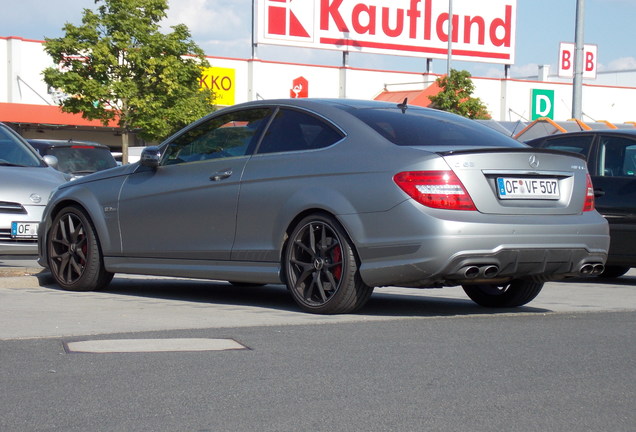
x,y
74,255
513,294
321,269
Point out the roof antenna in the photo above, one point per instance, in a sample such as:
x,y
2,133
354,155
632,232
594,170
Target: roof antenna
x,y
403,106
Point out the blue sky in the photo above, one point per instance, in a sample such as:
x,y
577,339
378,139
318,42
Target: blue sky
x,y
222,28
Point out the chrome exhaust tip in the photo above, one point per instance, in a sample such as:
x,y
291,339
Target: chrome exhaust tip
x,y
490,271
598,269
586,269
471,272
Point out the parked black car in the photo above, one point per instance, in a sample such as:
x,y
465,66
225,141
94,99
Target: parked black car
x,y
611,160
76,158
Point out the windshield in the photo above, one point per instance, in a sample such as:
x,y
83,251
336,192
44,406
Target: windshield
x,y
13,152
82,159
431,128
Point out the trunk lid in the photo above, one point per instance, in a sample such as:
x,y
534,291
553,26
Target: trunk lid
x,y
521,181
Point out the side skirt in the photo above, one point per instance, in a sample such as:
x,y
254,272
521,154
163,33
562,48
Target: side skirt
x,y
239,271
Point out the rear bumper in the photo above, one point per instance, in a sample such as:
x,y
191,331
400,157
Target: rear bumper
x,y
486,267
426,248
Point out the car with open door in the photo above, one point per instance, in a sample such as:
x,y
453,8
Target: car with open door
x,y
611,161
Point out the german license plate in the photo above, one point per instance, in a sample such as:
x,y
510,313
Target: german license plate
x,y
528,188
24,229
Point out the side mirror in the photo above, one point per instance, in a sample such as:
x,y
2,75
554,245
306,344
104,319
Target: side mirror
x,y
51,161
150,157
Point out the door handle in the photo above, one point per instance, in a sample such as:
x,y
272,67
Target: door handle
x,y
220,175
598,193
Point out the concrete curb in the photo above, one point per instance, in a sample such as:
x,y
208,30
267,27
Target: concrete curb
x,y
21,271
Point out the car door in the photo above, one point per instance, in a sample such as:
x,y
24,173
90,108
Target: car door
x,y
614,179
289,159
186,208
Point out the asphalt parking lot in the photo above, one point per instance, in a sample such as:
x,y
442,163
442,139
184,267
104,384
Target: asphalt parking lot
x,y
33,306
166,354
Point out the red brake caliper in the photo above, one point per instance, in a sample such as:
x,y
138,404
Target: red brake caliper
x,y
337,257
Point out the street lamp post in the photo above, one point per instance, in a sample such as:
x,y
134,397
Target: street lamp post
x,y
577,84
450,38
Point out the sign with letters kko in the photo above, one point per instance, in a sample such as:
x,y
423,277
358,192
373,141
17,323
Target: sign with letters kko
x,y
222,82
483,31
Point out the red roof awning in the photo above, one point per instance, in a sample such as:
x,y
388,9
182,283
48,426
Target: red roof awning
x,y
45,115
415,97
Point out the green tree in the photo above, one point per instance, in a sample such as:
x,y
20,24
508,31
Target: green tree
x,y
118,65
456,96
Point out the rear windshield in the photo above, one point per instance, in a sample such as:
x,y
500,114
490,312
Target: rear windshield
x,y
430,128
80,159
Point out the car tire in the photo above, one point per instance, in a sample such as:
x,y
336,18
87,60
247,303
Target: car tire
x,y
74,255
513,294
611,272
321,268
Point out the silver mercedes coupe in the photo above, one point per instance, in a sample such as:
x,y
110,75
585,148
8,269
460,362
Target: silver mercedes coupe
x,y
333,198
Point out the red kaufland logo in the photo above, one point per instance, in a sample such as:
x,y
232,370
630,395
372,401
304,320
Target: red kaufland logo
x,y
482,31
283,18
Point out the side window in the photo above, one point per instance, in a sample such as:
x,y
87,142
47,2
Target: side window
x,y
617,157
223,136
293,130
575,144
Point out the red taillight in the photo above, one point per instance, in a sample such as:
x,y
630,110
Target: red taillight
x,y
437,189
82,146
589,195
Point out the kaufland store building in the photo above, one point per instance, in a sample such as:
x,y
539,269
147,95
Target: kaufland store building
x,y
483,32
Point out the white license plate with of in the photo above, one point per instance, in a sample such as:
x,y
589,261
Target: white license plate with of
x,y
528,188
24,229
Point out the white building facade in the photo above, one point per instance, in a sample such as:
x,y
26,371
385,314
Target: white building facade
x,y
610,97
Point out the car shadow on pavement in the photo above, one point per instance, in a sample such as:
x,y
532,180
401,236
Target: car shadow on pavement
x,y
626,280
389,304
276,297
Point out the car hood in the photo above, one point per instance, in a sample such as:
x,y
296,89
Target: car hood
x,y
30,186
105,174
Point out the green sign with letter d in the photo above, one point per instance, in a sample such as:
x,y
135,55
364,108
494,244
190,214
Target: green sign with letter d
x,y
542,104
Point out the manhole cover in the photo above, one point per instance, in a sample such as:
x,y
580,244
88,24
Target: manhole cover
x,y
153,345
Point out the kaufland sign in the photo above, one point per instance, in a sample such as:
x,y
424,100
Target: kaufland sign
x,y
483,30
